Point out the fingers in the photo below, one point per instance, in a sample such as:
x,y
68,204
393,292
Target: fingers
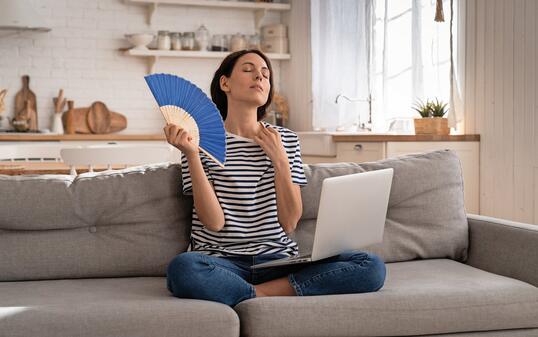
x,y
272,130
175,134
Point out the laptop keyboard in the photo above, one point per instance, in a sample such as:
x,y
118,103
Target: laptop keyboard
x,y
301,257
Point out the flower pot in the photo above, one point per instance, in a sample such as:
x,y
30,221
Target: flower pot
x,y
431,126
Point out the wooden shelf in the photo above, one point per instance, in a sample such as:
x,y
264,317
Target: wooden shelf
x,y
260,8
220,4
79,137
153,55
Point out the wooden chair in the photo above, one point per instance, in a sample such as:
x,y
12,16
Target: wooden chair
x,y
30,152
116,154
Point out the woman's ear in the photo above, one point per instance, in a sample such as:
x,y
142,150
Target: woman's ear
x,y
223,81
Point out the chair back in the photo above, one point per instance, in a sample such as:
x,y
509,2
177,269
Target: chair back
x,y
30,152
116,154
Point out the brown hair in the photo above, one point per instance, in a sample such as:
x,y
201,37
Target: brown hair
x,y
226,67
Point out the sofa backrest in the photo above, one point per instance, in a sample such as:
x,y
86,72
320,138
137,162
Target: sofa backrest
x,y
132,222
426,215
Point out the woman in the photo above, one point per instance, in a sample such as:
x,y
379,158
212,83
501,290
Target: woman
x,y
243,213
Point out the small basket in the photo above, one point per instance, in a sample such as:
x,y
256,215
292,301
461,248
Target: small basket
x,y
431,126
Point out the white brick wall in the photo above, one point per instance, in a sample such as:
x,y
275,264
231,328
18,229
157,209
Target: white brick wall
x,y
81,56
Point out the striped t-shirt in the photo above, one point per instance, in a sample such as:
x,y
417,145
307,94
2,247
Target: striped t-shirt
x,y
245,188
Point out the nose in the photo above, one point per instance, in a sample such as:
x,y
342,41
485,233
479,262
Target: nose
x,y
258,75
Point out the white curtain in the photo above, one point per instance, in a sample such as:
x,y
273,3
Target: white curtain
x,y
456,113
341,38
391,49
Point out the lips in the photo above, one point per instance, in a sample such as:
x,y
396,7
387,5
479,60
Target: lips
x,y
258,87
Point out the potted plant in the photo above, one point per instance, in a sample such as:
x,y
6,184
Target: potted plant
x,y
432,121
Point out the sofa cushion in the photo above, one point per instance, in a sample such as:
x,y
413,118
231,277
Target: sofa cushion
x,y
129,222
419,297
118,307
426,215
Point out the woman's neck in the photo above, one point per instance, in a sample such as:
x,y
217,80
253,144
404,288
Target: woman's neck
x,y
242,121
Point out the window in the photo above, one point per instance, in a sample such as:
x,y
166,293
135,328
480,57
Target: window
x,y
390,51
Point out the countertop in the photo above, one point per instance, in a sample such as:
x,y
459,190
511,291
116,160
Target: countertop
x,y
336,136
12,136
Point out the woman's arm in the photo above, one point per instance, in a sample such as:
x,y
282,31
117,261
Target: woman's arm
x,y
288,194
288,197
206,203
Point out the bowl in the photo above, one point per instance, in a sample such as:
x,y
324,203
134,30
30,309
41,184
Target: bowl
x,y
140,41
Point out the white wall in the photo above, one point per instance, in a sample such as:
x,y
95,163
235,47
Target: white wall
x,y
501,103
81,56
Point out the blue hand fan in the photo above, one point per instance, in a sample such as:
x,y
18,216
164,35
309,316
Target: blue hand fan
x,y
184,104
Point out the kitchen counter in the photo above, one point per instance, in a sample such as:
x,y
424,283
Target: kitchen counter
x,y
28,137
336,137
390,137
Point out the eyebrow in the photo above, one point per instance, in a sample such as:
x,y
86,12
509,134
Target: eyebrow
x,y
254,65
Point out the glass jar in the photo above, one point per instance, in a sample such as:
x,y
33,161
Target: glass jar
x,y
176,41
218,43
238,42
202,38
254,42
187,41
163,40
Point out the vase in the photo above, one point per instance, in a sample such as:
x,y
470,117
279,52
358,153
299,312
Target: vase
x,y
431,126
57,125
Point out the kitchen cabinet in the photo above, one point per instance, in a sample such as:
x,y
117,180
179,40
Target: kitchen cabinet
x,y
364,151
359,151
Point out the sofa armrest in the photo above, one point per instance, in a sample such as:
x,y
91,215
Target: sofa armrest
x,y
503,247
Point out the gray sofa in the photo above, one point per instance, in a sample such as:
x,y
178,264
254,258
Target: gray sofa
x,y
87,255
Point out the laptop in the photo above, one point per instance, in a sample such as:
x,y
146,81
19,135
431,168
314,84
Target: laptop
x,y
351,215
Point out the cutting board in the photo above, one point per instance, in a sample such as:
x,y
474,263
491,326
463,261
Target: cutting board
x,y
98,118
94,119
26,97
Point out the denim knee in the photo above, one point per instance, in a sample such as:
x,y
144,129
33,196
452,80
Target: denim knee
x,y
374,277
184,272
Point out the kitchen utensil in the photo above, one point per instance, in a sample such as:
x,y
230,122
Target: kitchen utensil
x,y
98,118
27,97
140,41
118,122
75,120
59,104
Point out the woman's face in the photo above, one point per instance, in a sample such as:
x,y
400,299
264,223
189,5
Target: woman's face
x,y
249,81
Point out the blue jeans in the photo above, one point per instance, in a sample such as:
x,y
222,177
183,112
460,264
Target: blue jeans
x,y
230,280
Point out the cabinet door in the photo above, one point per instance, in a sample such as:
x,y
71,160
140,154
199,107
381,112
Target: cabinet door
x,y
359,152
469,154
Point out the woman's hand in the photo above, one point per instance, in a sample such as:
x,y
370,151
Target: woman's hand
x,y
181,139
271,143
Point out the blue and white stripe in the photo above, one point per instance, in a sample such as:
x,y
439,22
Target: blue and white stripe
x,y
246,191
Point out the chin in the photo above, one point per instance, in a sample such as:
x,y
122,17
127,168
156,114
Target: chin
x,y
257,102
